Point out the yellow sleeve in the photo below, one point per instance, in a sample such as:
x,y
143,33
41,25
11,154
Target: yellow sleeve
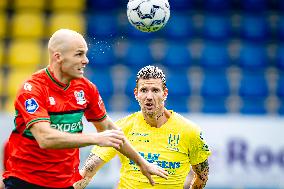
x,y
199,150
107,153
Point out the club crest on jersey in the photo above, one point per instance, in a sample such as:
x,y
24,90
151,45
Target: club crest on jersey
x,y
31,105
80,97
173,141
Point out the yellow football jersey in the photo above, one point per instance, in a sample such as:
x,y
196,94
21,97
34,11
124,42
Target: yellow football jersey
x,y
174,146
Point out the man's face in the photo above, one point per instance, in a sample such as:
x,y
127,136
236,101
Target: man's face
x,y
151,96
74,59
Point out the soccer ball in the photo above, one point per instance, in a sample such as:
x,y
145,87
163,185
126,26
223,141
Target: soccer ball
x,y
148,15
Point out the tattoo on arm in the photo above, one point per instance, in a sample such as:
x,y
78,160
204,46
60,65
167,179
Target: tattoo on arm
x,y
93,163
202,171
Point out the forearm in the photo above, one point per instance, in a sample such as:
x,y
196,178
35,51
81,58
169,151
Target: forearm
x,y
49,138
201,175
91,166
126,149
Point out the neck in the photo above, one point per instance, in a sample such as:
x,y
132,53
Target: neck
x,y
159,119
56,70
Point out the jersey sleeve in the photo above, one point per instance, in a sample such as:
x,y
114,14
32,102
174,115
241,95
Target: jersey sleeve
x,y
107,153
96,109
198,149
30,103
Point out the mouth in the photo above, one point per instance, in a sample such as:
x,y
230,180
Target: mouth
x,y
149,105
81,70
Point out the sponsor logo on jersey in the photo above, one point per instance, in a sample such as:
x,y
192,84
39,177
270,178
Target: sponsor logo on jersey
x,y
27,86
51,100
80,97
31,105
170,166
68,127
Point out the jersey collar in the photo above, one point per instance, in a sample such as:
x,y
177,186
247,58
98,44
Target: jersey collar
x,y
56,81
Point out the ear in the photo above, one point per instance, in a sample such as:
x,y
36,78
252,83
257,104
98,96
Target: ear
x,y
57,56
135,93
166,92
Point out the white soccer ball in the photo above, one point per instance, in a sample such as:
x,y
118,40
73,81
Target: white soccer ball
x,y
148,15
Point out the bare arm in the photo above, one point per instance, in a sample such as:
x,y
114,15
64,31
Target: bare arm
x,y
201,171
49,138
146,168
92,165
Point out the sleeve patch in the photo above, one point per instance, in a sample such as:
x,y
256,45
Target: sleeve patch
x,y
31,105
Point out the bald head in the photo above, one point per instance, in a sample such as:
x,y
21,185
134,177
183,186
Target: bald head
x,y
61,39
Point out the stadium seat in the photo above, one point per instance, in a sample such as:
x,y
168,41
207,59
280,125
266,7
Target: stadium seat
x,y
2,85
254,5
73,5
179,27
177,56
253,56
179,5
217,5
255,106
16,78
101,53
281,108
132,105
138,54
280,26
28,5
280,87
3,4
69,20
215,56
3,24
104,5
178,84
25,54
253,85
254,27
2,53
130,85
103,25
217,27
280,57
214,105
215,85
28,25
103,80
177,103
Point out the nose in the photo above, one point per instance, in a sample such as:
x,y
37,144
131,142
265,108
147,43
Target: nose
x,y
85,60
149,95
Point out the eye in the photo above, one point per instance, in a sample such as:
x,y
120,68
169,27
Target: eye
x,y
143,90
156,90
79,54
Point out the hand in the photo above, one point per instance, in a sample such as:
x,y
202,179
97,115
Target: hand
x,y
149,169
111,138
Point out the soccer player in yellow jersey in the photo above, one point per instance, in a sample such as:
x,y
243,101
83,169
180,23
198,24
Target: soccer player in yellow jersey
x,y
161,136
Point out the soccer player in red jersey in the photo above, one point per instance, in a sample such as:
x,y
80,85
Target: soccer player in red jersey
x,y
44,145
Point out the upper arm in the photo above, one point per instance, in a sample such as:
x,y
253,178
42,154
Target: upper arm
x,y
202,170
105,124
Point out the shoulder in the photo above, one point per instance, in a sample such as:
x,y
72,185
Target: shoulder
x,y
127,122
34,83
185,124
